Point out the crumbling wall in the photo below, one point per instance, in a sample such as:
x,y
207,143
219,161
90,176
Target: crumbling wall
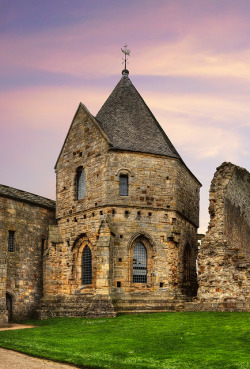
x,y
224,253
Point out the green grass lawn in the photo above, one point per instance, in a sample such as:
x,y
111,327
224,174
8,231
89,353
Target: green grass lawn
x,y
166,340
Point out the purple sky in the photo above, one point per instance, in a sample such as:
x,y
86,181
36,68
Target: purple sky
x,y
190,61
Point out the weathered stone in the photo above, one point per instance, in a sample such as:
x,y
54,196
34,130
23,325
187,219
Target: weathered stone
x,y
225,251
111,225
28,216
45,273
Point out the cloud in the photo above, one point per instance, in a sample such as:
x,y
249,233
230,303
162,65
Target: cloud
x,y
204,127
47,108
166,38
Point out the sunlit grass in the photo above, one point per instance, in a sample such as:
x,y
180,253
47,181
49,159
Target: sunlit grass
x,y
164,341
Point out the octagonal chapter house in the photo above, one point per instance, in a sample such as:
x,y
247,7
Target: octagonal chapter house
x,y
127,215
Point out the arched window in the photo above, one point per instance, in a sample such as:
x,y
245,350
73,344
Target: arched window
x,y
86,266
123,185
140,263
80,183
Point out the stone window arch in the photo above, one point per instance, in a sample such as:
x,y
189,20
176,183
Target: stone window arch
x,y
139,263
86,266
124,175
80,183
123,184
83,264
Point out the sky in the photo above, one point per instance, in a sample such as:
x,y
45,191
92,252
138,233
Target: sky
x,y
190,61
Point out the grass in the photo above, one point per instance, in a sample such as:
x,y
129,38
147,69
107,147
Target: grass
x,y
204,340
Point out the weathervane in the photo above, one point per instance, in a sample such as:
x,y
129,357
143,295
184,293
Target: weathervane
x,y
126,52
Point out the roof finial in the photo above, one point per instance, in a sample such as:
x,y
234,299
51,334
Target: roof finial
x,y
126,52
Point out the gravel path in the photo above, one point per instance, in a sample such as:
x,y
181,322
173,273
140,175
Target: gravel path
x,y
14,360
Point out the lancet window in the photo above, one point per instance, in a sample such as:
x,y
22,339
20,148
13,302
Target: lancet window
x,y
80,183
86,266
140,263
123,185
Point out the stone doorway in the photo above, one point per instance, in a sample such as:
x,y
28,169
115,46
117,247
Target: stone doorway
x,y
9,306
189,278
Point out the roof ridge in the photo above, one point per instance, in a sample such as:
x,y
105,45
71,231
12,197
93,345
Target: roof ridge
x,y
15,193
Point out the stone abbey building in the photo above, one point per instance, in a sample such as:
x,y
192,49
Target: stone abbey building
x,y
122,235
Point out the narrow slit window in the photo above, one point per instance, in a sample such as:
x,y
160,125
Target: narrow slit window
x,y
87,266
11,241
43,246
80,183
187,264
140,263
123,184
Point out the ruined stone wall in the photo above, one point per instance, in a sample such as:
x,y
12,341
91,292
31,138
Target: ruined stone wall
x,y
224,253
24,264
237,211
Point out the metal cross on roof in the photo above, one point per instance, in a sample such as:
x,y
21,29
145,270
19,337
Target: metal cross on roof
x,y
126,52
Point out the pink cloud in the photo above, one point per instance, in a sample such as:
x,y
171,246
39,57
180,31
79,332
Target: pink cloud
x,y
47,108
82,49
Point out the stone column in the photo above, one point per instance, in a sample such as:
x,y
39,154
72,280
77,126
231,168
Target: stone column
x,y
102,305
103,259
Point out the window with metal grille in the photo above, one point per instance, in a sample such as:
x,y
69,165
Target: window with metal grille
x,y
80,183
123,184
140,263
86,266
11,241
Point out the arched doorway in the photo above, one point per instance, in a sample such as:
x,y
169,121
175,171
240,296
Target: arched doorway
x,y
9,306
189,276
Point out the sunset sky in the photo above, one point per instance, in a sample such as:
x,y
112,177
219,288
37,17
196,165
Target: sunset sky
x,y
190,61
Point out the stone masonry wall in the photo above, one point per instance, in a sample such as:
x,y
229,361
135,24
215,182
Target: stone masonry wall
x,y
154,182
110,224
24,265
3,279
224,254
84,146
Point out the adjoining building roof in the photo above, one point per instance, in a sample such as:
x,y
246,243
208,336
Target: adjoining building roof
x,y
24,196
129,123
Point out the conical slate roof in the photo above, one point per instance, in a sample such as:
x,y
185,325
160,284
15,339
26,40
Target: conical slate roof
x,y
129,123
